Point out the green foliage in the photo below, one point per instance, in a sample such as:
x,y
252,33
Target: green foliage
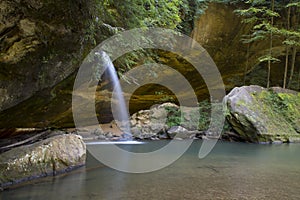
x,y
175,14
204,110
268,57
174,116
142,13
116,15
164,97
292,36
205,118
191,10
258,15
263,16
255,36
294,4
177,117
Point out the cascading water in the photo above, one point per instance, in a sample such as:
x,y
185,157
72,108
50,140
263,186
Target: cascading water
x,y
118,105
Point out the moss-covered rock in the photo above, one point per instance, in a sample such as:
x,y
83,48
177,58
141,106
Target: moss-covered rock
x,y
54,155
261,115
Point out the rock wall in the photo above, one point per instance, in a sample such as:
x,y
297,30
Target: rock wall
x,y
41,43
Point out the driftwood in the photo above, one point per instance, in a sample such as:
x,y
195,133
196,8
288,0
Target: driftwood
x,y
14,132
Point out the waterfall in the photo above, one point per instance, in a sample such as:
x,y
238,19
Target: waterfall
x,y
118,105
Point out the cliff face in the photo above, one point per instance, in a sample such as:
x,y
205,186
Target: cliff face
x,y
219,30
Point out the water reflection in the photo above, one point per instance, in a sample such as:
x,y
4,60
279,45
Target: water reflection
x,y
231,171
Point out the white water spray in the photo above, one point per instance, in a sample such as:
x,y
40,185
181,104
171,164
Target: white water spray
x,y
118,105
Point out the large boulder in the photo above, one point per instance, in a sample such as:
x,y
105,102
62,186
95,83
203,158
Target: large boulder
x,y
53,155
263,115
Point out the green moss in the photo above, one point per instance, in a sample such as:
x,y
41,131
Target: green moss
x,y
291,111
284,104
241,102
282,112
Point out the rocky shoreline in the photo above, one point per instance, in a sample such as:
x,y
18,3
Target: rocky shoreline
x,y
253,114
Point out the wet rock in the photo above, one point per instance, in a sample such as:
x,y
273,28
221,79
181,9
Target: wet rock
x,y
115,138
180,132
126,136
294,139
277,142
53,155
199,134
163,135
136,132
101,137
97,131
232,137
177,131
109,135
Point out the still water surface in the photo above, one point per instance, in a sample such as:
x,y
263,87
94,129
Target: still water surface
x,y
230,171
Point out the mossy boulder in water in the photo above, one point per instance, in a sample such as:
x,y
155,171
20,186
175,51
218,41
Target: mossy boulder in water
x,y
54,155
263,115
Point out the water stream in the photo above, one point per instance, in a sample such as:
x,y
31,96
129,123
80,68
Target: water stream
x,y
118,105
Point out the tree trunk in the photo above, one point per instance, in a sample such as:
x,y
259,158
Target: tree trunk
x,y
299,80
294,24
271,46
287,50
286,66
294,52
247,63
